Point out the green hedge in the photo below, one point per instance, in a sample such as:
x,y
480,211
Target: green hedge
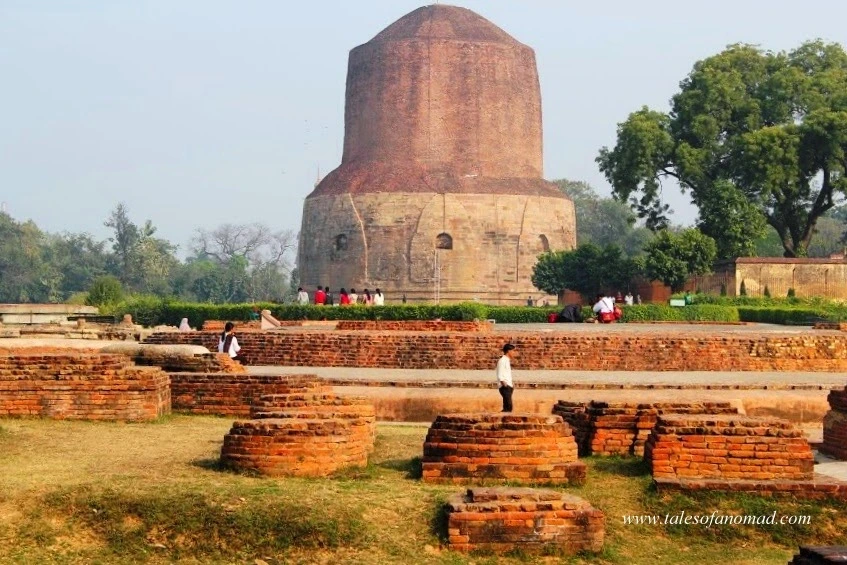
x,y
662,313
152,311
789,316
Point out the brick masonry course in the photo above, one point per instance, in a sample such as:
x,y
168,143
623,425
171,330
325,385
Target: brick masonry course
x,y
835,426
81,386
304,431
622,428
536,520
816,352
460,448
696,446
414,325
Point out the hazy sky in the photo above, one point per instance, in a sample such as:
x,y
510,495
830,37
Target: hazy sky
x,y
195,113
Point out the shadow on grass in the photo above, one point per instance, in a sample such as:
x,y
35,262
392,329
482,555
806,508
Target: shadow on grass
x,y
209,463
411,467
623,466
439,521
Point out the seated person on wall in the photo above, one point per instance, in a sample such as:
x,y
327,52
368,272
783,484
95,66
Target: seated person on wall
x,y
606,310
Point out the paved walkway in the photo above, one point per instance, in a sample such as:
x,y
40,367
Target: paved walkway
x,y
716,380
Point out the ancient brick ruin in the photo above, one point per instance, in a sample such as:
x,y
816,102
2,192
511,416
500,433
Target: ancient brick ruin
x,y
835,426
527,448
227,394
81,386
414,325
177,358
694,446
307,431
538,350
622,428
441,174
534,520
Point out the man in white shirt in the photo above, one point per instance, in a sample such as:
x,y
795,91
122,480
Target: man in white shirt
x,y
302,296
504,376
628,299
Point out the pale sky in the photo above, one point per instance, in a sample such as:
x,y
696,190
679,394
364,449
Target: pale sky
x,y
195,113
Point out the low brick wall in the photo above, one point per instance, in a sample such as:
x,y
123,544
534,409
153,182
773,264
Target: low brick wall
x,y
306,431
622,428
414,325
841,326
227,394
534,520
218,325
536,350
686,446
835,426
501,447
81,386
820,555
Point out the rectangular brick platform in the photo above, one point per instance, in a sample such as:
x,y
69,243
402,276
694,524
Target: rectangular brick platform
x,y
835,426
537,350
729,448
504,519
622,428
225,394
81,386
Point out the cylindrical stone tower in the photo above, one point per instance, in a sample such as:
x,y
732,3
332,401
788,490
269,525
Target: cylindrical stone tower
x,y
440,192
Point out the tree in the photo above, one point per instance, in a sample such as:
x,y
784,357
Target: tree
x,y
588,269
256,260
672,258
24,275
747,125
603,221
104,291
126,235
77,259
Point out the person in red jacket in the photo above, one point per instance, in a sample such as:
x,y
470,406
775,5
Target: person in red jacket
x,y
320,296
344,298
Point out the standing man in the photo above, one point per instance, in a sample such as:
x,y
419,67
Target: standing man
x,y
302,297
504,376
320,296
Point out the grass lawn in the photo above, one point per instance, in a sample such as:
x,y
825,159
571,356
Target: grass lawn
x,y
83,492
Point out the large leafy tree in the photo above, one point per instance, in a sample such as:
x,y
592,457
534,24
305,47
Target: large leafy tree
x,y
755,136
604,221
588,269
673,257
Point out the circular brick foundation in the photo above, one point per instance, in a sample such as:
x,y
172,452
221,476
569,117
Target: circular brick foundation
x,y
528,448
296,447
301,430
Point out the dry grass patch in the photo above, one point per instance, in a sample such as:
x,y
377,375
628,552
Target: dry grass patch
x,y
77,492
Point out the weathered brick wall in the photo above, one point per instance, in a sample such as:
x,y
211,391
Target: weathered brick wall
x,y
622,428
501,447
227,394
218,325
81,386
690,446
536,520
414,325
304,431
536,350
835,426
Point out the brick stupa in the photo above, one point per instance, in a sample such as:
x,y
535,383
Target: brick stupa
x,y
440,187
